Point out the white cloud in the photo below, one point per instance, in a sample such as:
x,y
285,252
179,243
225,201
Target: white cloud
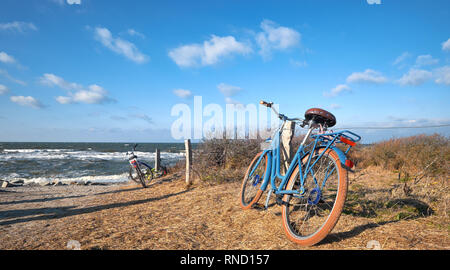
x,y
94,94
401,59
144,117
339,89
27,101
182,93
140,116
415,77
60,2
335,106
74,2
53,80
371,2
9,59
3,89
119,46
188,55
276,37
133,33
11,78
6,58
77,93
446,45
443,75
426,60
64,100
229,100
70,2
228,90
212,51
17,26
407,122
368,76
209,53
296,63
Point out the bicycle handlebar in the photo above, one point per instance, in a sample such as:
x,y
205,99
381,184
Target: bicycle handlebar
x,y
281,116
267,104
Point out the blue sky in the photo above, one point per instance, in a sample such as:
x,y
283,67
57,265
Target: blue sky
x,y
97,70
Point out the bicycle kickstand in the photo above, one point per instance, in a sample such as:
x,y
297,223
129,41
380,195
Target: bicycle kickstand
x,y
266,206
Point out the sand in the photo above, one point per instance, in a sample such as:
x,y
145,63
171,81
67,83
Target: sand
x,y
168,215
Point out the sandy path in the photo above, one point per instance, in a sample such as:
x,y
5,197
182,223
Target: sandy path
x,y
169,216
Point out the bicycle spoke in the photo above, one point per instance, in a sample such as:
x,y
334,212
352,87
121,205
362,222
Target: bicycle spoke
x,y
309,212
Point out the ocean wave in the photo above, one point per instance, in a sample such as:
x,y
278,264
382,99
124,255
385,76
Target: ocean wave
x,y
34,150
119,178
47,154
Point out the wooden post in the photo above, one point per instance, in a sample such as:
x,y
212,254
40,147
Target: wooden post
x,y
187,145
157,160
286,144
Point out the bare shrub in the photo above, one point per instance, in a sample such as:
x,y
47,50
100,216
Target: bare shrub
x,y
221,160
412,157
415,157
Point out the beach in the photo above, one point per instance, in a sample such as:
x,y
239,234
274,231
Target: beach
x,y
170,215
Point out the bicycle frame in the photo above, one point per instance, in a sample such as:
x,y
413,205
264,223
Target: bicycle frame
x,y
321,141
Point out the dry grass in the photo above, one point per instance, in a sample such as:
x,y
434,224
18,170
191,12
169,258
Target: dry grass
x,y
170,216
411,157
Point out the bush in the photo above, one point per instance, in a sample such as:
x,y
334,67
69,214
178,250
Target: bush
x,y
223,160
220,160
409,156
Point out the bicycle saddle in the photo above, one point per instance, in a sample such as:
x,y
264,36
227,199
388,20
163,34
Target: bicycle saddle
x,y
320,116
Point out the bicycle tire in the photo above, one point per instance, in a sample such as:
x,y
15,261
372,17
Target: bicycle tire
x,y
291,204
144,178
248,197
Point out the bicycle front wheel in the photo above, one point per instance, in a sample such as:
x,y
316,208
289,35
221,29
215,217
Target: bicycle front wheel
x,y
251,185
144,178
308,217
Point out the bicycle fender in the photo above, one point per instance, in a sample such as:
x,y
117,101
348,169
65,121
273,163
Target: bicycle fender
x,y
342,158
341,155
268,170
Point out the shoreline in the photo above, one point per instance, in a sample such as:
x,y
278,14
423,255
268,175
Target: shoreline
x,y
20,183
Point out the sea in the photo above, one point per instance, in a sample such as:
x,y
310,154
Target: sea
x,y
78,162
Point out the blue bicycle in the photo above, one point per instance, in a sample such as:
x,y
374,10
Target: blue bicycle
x,y
313,190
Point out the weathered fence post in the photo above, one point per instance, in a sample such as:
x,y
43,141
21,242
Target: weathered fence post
x,y
286,144
157,160
187,145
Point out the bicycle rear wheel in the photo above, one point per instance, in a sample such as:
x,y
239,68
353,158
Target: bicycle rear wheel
x,y
308,218
250,189
144,178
